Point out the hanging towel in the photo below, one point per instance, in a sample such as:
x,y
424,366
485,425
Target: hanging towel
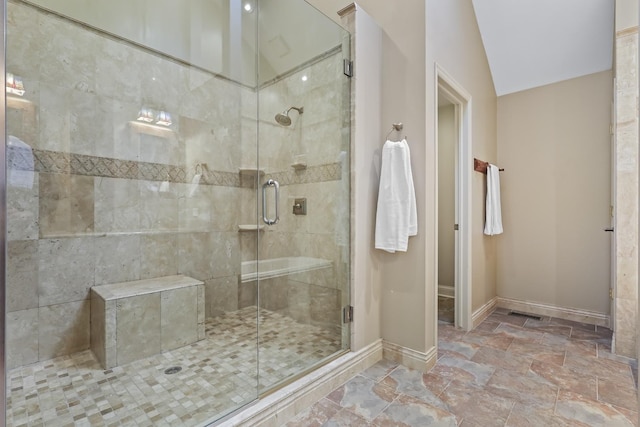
x,y
493,223
396,216
20,163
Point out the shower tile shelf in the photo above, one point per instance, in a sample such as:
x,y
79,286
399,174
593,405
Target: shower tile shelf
x,y
299,166
250,227
18,103
251,172
151,129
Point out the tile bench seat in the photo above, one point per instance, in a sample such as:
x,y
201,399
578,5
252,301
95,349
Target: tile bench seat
x,y
134,320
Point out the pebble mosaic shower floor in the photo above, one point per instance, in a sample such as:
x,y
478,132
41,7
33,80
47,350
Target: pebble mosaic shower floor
x,y
218,373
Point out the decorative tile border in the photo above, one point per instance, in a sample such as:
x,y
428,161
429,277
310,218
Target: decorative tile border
x,y
320,173
80,164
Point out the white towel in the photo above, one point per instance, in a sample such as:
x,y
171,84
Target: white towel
x,y
20,163
396,217
493,224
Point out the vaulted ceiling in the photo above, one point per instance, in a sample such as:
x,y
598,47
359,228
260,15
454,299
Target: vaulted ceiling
x,y
531,43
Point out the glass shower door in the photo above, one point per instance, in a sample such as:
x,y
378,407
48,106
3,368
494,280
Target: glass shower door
x,y
129,124
146,283
303,246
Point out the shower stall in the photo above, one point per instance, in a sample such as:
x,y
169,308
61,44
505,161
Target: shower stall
x,y
177,206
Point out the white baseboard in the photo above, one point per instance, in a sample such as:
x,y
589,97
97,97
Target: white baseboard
x,y
409,357
577,315
279,407
483,312
446,291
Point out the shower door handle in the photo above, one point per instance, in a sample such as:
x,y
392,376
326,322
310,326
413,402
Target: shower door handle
x,y
270,183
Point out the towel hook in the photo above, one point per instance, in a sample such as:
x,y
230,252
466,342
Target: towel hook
x,y
396,127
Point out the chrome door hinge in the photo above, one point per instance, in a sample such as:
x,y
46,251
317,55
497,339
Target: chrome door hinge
x,y
611,294
347,314
347,68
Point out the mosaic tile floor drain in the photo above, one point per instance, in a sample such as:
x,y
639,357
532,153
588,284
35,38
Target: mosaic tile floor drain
x,y
218,374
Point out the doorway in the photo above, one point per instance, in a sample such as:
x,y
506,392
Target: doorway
x,y
454,166
447,192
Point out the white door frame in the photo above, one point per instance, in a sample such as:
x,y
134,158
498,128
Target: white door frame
x,y
455,93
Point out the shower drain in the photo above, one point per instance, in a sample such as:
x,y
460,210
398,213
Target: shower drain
x,y
173,370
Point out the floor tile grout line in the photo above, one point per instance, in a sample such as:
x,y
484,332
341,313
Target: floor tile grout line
x,y
506,420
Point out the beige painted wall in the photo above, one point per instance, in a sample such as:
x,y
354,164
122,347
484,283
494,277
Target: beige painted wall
x,y
408,280
405,319
554,143
366,108
626,14
400,277
446,195
453,41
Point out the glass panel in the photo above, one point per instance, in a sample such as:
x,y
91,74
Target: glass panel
x,y
304,122
124,165
215,35
138,260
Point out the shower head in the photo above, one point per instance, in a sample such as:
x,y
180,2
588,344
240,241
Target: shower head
x,y
283,118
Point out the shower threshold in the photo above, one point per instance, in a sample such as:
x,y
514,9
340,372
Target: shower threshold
x,y
219,375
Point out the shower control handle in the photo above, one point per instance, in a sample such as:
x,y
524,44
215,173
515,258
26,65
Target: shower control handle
x,y
270,183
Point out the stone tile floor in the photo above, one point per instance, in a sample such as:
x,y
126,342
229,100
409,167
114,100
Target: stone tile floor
x,y
446,309
510,371
218,375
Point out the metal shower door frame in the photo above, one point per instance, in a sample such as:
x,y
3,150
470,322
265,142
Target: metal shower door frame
x,y
3,218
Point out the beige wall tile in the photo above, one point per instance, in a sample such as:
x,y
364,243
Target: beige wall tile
x,y
22,338
221,295
118,71
117,259
138,327
22,275
626,198
247,294
158,209
273,293
23,211
66,204
158,255
209,255
63,329
179,317
117,205
299,301
23,52
66,269
194,255
67,45
325,306
98,329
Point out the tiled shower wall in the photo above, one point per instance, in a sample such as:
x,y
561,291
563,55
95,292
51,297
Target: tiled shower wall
x,y
111,200
626,202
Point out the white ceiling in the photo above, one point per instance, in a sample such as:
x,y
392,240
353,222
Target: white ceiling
x,y
531,43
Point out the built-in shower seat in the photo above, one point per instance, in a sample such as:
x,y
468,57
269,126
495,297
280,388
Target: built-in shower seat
x,y
134,320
